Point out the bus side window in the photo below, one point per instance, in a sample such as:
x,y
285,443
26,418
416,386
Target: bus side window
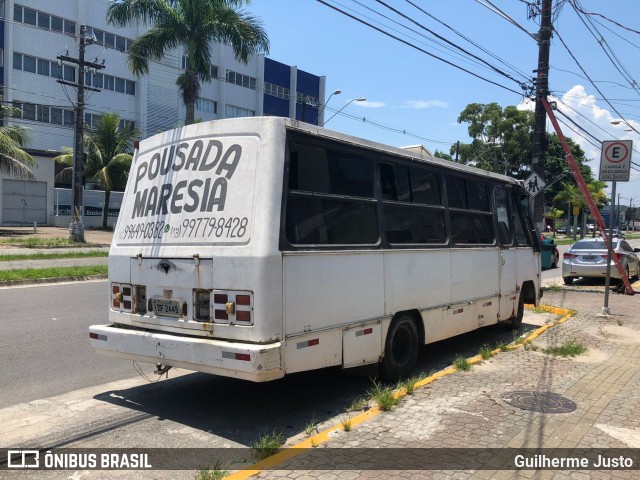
x,y
330,199
409,197
523,237
469,211
503,217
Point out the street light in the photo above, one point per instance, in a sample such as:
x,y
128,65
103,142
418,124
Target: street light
x,y
618,122
337,92
361,99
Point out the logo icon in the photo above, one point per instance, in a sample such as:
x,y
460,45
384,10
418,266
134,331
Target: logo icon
x,y
22,459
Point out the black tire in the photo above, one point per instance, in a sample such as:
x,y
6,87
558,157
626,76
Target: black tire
x,y
401,349
515,321
568,280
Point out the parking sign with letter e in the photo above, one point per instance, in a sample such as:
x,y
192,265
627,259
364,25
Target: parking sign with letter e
x,y
615,161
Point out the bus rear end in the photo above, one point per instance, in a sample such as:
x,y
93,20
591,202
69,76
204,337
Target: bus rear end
x,y
195,276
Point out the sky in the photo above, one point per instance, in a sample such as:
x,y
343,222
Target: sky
x,y
413,98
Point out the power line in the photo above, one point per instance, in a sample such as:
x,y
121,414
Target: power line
x,y
606,48
416,47
475,44
589,78
495,69
609,20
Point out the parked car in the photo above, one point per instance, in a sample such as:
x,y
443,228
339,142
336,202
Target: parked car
x,y
549,255
561,229
588,258
590,227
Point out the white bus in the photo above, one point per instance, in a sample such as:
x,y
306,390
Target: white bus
x,y
257,247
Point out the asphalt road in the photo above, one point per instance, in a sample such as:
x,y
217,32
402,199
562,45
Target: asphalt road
x,y
44,341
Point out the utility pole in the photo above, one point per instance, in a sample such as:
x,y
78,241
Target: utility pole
x,y
76,228
542,90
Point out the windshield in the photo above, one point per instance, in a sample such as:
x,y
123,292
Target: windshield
x,y
592,245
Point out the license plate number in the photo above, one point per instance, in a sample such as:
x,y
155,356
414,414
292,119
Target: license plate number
x,y
588,258
164,307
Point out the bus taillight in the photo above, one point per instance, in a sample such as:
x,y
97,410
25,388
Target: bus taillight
x,y
233,307
121,297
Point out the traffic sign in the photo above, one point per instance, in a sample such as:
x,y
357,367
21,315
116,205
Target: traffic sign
x,y
534,184
615,161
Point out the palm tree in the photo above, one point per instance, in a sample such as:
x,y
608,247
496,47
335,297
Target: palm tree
x,y
108,156
14,161
554,214
192,24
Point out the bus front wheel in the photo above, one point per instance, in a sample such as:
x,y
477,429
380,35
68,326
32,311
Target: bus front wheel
x,y
401,348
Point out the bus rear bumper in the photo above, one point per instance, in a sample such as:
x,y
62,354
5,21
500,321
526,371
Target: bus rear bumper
x,y
258,363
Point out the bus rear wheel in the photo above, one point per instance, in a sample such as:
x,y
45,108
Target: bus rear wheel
x,y
401,348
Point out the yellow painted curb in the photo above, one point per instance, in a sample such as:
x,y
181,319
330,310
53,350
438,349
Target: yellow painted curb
x,y
373,412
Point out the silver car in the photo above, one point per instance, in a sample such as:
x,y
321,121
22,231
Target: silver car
x,y
588,258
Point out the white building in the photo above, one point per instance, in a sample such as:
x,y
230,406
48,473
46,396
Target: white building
x,y
34,33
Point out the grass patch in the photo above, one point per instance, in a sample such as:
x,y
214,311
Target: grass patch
x,y
486,352
266,445
311,426
383,396
461,364
55,272
35,242
357,405
503,347
53,256
346,425
570,348
538,310
215,472
518,337
409,384
554,287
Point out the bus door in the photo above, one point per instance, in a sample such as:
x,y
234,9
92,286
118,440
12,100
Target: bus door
x,y
507,260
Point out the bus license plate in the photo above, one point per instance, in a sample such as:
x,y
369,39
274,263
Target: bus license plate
x,y
164,307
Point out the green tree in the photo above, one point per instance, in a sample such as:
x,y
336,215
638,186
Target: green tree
x,y
192,24
109,157
554,214
502,142
14,161
501,138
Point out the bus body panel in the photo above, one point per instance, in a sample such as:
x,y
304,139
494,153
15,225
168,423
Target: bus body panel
x,y
324,290
508,283
416,279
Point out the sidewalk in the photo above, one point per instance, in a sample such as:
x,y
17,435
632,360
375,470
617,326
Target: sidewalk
x,y
476,409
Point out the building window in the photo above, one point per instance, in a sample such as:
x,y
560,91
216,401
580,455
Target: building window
x,y
29,64
213,69
43,20
308,99
44,114
206,105
232,111
241,79
276,90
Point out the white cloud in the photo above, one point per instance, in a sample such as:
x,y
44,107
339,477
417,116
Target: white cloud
x,y
423,104
370,104
586,111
